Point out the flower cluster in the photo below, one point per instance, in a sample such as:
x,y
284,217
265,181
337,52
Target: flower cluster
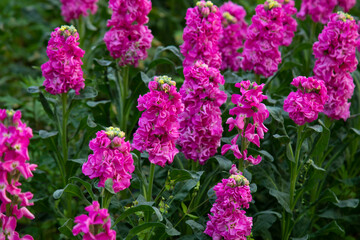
x,y
228,220
201,35
335,54
63,70
200,123
289,23
14,140
96,225
321,10
247,105
233,36
128,39
159,126
305,104
72,9
264,36
111,159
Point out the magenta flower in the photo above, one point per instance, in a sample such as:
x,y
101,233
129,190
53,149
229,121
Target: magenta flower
x,y
63,70
201,35
14,141
305,104
228,221
335,54
200,123
95,225
72,9
319,10
250,115
289,23
347,4
128,39
264,36
233,36
111,159
159,126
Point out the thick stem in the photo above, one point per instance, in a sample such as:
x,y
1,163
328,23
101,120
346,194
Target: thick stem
x,y
64,141
151,181
257,79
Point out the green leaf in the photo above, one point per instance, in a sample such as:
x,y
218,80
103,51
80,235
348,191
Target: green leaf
x,y
94,104
223,162
268,212
350,203
86,185
71,189
197,228
253,188
33,89
160,61
306,237
312,129
332,227
282,198
172,49
140,228
145,78
184,208
90,121
263,222
284,139
102,62
139,208
170,230
276,113
317,167
179,175
80,161
356,131
45,134
109,185
44,102
322,142
66,229
290,153
87,92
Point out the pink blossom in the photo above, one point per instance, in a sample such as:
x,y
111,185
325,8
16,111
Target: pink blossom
x,y
305,104
228,221
250,115
128,45
289,23
97,217
200,123
319,10
201,35
63,70
233,36
111,159
72,9
128,39
159,126
264,36
347,4
335,54
14,141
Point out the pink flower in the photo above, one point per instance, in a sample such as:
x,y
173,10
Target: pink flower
x,y
290,24
95,225
72,9
63,70
305,104
319,10
233,36
200,123
228,221
347,4
264,36
111,159
335,54
14,141
201,35
159,126
248,106
128,39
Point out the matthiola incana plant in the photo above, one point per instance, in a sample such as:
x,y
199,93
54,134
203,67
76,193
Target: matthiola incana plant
x,y
236,121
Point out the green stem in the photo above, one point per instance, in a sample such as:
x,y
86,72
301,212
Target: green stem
x,y
257,79
64,130
151,181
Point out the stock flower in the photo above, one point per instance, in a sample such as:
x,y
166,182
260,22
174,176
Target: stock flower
x,y
14,141
228,221
159,126
319,10
233,36
63,70
305,104
335,54
95,225
248,105
72,9
264,36
289,23
128,39
201,35
200,123
111,159
347,4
